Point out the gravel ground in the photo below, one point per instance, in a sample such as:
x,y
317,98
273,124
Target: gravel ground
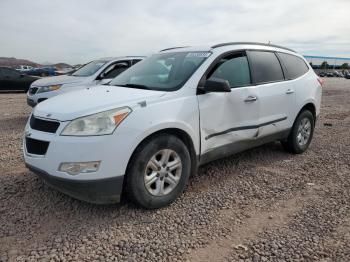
x,y
260,205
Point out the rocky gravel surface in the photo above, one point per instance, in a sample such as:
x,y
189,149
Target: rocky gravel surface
x,y
261,205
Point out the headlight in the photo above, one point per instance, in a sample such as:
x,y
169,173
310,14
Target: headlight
x,y
103,123
48,88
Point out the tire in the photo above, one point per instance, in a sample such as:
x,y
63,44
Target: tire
x,y
144,182
296,142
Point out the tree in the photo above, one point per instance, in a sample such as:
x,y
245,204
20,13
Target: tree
x,y
345,66
324,65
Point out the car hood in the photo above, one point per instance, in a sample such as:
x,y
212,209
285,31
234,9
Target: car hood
x,y
58,80
92,100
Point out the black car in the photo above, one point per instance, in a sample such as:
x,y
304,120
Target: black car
x,y
12,80
347,75
322,74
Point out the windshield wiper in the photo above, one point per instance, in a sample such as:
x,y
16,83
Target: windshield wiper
x,y
135,86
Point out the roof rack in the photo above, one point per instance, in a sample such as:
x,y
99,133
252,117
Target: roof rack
x,y
251,43
176,47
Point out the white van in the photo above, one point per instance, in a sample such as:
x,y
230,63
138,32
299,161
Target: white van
x,y
154,124
94,73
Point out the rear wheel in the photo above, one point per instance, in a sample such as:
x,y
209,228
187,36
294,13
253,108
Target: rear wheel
x,y
158,172
301,134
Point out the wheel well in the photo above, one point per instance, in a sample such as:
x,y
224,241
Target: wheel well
x,y
185,138
311,107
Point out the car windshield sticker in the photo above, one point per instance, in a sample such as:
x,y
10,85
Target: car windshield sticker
x,y
198,54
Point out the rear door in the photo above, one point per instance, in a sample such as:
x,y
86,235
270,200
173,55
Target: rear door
x,y
18,80
294,69
277,97
226,119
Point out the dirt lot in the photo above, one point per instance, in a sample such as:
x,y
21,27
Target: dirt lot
x,y
260,205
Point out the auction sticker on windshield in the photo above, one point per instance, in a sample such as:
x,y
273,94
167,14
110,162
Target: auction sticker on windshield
x,y
198,54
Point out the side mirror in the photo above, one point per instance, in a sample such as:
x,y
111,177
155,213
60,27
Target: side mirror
x,y
216,85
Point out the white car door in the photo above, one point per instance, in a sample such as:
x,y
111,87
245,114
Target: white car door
x,y
277,98
229,120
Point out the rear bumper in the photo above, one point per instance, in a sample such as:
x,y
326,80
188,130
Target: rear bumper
x,y
101,191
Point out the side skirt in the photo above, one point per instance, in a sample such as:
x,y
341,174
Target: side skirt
x,y
236,147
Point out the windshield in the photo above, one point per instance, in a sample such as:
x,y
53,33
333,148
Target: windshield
x,y
90,68
164,71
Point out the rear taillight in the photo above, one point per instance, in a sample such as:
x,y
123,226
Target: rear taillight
x,y
320,80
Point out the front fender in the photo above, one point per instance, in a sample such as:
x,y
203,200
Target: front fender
x,y
182,126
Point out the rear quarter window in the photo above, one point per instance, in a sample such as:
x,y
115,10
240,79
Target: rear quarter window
x,y
265,66
294,66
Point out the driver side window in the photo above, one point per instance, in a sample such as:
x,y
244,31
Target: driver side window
x,y
114,70
233,68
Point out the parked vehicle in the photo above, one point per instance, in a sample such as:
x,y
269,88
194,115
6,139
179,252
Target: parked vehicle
x,y
330,74
347,75
65,71
96,72
322,74
12,80
337,74
24,68
155,123
42,71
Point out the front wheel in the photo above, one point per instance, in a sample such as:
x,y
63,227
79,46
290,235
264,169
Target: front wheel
x,y
301,134
158,172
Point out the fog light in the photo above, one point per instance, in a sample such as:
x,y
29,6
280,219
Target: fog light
x,y
74,168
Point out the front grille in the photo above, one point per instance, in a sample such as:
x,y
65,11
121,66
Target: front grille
x,y
44,125
36,147
33,90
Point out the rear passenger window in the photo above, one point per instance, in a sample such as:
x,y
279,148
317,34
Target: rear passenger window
x,y
234,69
265,67
295,66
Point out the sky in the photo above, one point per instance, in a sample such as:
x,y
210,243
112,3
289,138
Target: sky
x,y
78,31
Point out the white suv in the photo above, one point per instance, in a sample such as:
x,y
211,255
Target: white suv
x,y
154,124
97,72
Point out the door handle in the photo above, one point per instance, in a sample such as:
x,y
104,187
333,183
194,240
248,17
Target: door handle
x,y
250,99
289,91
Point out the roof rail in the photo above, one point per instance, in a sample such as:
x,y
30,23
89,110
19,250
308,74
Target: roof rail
x,y
176,47
251,43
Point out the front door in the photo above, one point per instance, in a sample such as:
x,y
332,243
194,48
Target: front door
x,y
229,120
8,81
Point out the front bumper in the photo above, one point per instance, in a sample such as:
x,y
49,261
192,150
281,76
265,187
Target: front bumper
x,y
102,186
101,191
